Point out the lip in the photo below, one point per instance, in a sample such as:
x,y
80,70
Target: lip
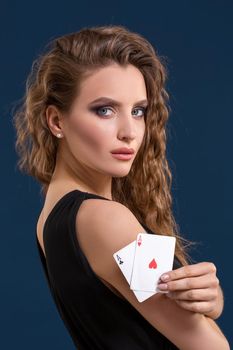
x,y
123,150
122,156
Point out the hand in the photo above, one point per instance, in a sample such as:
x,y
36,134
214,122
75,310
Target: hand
x,y
195,288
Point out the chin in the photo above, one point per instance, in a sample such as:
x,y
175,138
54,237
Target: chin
x,y
121,173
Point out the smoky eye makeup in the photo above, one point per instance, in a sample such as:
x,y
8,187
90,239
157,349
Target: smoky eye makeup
x,y
95,109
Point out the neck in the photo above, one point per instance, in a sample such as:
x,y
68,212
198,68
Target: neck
x,y
69,173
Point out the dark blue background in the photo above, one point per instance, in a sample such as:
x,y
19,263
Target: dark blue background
x,y
196,39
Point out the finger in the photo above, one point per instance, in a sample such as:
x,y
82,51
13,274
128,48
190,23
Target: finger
x,y
191,283
193,294
202,307
198,269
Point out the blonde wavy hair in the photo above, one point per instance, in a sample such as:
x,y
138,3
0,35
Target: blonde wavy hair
x,y
55,78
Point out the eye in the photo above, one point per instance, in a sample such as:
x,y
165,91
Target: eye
x,y
101,111
101,108
142,109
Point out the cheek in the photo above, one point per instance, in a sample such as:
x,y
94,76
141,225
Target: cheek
x,y
88,135
141,132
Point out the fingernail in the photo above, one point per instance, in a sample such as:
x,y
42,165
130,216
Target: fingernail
x,y
162,286
165,277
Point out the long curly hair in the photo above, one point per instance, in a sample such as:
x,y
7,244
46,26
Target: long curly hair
x,y
55,78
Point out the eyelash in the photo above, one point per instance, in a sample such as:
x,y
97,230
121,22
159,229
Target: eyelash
x,y
96,109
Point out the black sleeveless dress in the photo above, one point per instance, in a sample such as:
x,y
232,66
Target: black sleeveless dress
x,y
95,317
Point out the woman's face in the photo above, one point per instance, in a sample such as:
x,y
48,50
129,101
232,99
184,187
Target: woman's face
x,y
93,129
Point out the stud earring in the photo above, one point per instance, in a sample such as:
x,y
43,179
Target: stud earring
x,y
59,135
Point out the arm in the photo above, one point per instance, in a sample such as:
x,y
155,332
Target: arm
x,y
104,227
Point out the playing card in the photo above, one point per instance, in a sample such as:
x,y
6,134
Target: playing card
x,y
154,255
124,259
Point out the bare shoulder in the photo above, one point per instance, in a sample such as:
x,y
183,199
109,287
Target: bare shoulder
x,y
105,226
96,214
105,210
102,228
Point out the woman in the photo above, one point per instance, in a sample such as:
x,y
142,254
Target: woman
x,y
91,93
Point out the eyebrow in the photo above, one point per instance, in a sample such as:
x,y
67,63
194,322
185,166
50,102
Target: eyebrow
x,y
114,102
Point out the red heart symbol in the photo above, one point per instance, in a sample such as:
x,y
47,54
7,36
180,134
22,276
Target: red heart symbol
x,y
139,241
153,264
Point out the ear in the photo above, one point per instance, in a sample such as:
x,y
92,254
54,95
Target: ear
x,y
54,120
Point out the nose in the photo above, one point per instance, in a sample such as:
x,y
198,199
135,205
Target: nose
x,y
126,128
